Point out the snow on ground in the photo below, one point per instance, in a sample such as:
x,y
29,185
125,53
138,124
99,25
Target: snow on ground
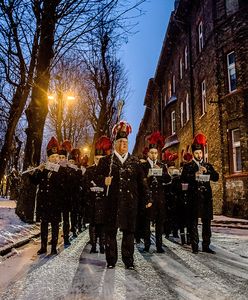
x,y
12,229
76,274
176,274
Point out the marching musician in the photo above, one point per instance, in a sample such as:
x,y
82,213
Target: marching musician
x,y
198,175
66,199
94,196
75,182
50,180
157,176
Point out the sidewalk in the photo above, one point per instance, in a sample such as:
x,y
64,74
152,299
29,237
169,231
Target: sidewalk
x,y
14,232
223,221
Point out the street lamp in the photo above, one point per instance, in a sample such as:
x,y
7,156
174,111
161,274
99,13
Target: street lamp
x,y
60,100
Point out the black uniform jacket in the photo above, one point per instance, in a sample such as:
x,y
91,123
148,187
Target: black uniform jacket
x,y
128,186
49,194
156,185
200,193
94,199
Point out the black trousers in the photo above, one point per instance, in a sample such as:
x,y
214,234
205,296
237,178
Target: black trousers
x,y
206,232
66,223
159,229
44,233
127,247
95,231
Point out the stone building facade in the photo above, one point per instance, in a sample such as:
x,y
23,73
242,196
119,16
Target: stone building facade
x,y
202,87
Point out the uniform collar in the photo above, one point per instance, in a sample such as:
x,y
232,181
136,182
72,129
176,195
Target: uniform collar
x,y
123,158
151,162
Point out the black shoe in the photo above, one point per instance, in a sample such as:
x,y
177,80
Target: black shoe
x,y
195,249
54,251
110,266
67,243
129,267
183,241
208,250
160,250
93,250
146,249
74,234
188,239
41,251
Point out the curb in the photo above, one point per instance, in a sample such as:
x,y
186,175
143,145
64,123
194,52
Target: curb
x,y
6,249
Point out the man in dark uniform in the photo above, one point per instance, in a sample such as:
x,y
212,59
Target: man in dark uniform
x,y
198,174
94,196
125,184
75,182
157,177
66,199
51,183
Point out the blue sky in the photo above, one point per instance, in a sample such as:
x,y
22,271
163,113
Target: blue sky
x,y
140,56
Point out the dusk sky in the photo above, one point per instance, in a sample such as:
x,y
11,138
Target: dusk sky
x,y
141,55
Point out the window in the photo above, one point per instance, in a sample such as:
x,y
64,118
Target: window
x,y
182,113
186,58
200,37
173,122
169,89
203,97
232,80
187,107
232,6
174,84
236,151
181,68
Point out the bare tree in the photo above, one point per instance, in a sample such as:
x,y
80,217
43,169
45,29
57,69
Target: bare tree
x,y
68,116
17,61
105,76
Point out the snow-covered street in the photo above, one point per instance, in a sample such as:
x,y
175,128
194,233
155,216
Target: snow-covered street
x,y
177,274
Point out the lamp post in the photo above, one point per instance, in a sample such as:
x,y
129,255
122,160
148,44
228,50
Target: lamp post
x,y
60,101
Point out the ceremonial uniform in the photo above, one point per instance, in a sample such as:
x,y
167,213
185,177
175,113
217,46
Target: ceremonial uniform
x,y
49,195
157,212
200,198
121,205
95,196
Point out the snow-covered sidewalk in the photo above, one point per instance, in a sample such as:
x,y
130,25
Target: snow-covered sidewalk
x,y
13,231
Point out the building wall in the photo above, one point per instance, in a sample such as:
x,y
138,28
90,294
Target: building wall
x,y
225,29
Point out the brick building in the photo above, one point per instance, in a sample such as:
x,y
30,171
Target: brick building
x,y
200,85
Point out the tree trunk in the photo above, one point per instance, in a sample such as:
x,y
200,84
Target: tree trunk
x,y
15,113
38,109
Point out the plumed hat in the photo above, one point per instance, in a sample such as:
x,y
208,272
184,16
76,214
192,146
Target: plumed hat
x,y
75,155
155,140
52,146
121,130
103,146
65,147
199,142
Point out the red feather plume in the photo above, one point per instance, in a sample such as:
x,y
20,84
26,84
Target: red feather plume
x,y
66,145
200,139
103,143
122,126
156,139
52,143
